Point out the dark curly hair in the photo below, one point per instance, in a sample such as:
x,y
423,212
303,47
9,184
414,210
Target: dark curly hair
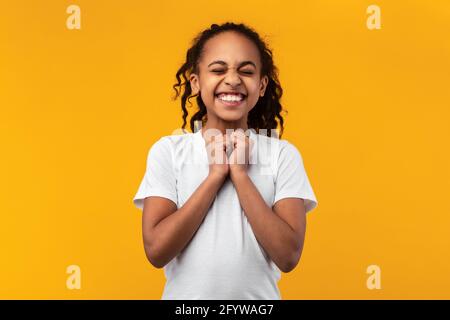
x,y
268,108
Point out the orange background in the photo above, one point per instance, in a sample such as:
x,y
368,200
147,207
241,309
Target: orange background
x,y
368,110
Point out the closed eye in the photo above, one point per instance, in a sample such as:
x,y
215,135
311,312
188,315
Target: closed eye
x,y
244,72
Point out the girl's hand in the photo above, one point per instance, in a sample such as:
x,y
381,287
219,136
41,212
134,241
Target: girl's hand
x,y
217,156
242,147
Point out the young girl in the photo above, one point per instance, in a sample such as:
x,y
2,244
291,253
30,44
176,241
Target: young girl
x,y
224,206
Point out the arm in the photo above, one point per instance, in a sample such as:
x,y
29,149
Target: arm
x,y
281,232
166,230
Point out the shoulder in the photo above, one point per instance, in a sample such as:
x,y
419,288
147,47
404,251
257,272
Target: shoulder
x,y
289,150
169,144
279,148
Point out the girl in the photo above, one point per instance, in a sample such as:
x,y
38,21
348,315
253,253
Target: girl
x,y
224,206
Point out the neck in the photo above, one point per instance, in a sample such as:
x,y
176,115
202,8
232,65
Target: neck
x,y
222,126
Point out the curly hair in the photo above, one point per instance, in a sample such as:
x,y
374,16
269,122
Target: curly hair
x,y
268,108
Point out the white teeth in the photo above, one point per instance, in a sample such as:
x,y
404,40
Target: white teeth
x,y
230,97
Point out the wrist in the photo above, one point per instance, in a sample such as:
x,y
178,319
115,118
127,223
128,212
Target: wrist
x,y
236,174
216,176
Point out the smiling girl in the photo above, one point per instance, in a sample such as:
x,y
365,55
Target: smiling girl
x,y
224,207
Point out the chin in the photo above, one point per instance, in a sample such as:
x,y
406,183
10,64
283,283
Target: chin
x,y
231,118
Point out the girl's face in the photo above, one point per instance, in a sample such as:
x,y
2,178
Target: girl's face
x,y
229,79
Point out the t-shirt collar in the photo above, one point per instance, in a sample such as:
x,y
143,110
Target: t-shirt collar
x,y
199,137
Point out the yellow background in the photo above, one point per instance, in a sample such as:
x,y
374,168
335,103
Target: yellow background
x,y
368,109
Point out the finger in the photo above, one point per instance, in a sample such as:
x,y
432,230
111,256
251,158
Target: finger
x,y
239,133
228,142
240,140
214,140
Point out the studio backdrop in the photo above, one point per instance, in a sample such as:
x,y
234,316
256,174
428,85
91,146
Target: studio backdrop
x,y
86,90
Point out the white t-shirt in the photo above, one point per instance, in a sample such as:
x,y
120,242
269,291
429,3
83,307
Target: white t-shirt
x,y
223,260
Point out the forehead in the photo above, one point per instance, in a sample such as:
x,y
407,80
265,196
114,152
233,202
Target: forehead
x,y
230,47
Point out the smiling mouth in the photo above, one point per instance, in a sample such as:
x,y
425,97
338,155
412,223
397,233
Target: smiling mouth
x,y
231,99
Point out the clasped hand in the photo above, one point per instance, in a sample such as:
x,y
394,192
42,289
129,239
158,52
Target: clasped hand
x,y
237,145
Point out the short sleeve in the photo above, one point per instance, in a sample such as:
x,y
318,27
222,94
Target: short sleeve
x,y
291,178
159,178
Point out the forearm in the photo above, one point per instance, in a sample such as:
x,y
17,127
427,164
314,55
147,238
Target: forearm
x,y
174,232
274,234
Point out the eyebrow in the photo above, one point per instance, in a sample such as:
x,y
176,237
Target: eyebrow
x,y
243,63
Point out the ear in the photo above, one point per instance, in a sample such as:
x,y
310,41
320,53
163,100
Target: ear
x,y
195,85
263,86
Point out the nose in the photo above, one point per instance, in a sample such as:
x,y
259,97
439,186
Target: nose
x,y
232,78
